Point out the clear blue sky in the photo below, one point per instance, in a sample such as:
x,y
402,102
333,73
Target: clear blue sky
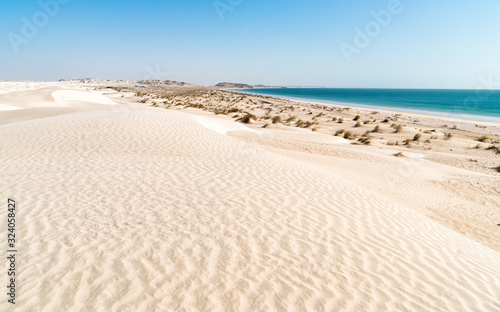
x,y
429,44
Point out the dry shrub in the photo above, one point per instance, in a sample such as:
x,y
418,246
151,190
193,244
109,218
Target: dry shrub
x,y
349,135
483,139
494,148
248,118
365,140
339,132
308,123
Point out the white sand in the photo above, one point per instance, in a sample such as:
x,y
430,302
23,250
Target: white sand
x,y
129,208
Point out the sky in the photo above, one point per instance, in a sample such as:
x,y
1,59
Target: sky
x,y
365,44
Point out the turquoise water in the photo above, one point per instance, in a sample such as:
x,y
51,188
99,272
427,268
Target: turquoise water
x,y
471,104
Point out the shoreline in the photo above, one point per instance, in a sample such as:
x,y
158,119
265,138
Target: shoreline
x,y
440,114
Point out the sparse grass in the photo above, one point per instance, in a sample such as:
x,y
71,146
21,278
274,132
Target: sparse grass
x,y
195,105
222,102
276,119
483,139
365,140
248,118
494,148
448,136
399,154
349,135
308,123
304,124
219,111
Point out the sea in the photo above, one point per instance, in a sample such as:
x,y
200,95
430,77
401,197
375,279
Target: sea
x,y
480,104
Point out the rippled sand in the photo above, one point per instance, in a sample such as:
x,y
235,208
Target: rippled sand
x,y
130,208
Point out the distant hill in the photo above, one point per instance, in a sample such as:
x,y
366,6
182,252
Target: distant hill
x,y
96,81
156,83
159,83
165,83
234,85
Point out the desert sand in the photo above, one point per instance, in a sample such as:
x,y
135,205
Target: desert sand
x,y
134,202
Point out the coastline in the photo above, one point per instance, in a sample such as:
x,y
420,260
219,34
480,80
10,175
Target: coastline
x,y
441,114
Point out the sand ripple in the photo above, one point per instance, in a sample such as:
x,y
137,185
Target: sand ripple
x,y
152,211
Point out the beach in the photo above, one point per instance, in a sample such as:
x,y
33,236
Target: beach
x,y
203,199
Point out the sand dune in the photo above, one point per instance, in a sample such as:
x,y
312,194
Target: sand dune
x,y
143,209
52,96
